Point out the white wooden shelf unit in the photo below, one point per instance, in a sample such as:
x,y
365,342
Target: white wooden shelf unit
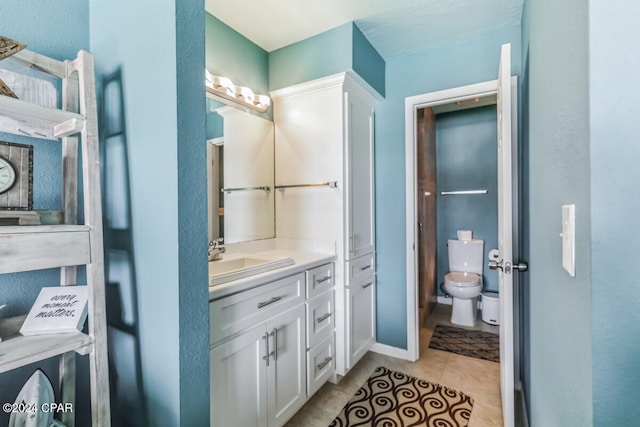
x,y
68,245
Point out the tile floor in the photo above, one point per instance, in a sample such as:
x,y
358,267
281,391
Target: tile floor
x,y
478,378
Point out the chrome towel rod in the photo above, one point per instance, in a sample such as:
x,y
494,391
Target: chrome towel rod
x,y
452,193
229,190
330,184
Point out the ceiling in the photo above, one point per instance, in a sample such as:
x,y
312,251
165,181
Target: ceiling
x,y
394,27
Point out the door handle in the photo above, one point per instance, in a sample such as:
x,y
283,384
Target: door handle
x,y
521,266
267,354
495,265
273,352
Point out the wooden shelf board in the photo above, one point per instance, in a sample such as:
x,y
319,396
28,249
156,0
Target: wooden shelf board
x,y
61,123
37,229
26,248
17,350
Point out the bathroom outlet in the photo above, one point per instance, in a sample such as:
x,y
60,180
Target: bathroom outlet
x,y
568,236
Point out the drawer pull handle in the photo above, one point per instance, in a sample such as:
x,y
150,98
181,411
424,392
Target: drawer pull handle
x,y
367,285
271,301
366,267
324,363
324,279
323,318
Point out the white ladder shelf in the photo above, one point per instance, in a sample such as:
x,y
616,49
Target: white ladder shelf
x,y
26,248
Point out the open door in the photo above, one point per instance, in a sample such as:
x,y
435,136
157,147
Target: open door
x,y
505,91
505,235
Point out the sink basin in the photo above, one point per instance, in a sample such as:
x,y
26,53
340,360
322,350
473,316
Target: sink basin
x,y
238,267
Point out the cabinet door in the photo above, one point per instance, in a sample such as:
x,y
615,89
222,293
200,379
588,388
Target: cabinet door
x,y
239,381
361,319
360,200
287,370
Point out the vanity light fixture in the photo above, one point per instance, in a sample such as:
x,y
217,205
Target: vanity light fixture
x,y
224,88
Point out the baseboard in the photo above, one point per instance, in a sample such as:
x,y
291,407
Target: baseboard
x,y
388,350
522,414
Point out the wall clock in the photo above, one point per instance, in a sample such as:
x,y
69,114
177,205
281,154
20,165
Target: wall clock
x,y
16,176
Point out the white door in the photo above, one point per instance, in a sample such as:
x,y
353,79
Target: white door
x,y
359,129
287,372
505,235
239,381
361,319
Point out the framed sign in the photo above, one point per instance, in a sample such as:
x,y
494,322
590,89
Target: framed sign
x,y
57,309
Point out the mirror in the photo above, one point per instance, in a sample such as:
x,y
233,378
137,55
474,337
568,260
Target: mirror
x,y
240,170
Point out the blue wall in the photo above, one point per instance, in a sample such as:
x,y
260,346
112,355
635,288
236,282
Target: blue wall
x,y
230,54
366,61
467,159
615,202
557,137
163,79
318,57
311,58
470,62
58,30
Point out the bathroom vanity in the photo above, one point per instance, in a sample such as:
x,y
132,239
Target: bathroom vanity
x,y
271,339
279,331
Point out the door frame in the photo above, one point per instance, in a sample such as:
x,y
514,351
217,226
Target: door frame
x,y
412,104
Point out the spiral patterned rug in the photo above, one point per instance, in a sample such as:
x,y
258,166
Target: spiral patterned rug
x,y
393,399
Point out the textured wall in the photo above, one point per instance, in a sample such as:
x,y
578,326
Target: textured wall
x,y
558,154
311,58
366,61
335,51
163,79
615,201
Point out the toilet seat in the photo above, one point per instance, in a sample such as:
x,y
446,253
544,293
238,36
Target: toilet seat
x,y
461,279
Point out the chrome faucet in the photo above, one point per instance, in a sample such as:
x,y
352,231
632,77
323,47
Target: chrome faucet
x,y
216,249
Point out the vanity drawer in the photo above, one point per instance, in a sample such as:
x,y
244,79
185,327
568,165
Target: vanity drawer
x,y
320,364
319,279
235,313
361,268
320,318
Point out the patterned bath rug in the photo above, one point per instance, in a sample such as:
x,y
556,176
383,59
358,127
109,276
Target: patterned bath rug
x,y
478,344
393,399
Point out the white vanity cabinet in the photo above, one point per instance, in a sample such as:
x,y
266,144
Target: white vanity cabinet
x,y
324,135
321,365
262,340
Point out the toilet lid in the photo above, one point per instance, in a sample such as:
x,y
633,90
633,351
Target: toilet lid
x,y
458,278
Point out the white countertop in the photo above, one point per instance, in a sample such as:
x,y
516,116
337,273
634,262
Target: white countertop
x,y
302,261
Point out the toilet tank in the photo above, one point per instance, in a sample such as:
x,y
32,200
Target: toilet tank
x,y
466,255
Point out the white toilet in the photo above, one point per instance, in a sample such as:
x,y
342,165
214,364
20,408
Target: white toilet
x,y
464,281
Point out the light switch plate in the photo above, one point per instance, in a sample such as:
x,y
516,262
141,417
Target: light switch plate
x,y
568,236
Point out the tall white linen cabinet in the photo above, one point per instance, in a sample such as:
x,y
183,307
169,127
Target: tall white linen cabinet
x,y
324,176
